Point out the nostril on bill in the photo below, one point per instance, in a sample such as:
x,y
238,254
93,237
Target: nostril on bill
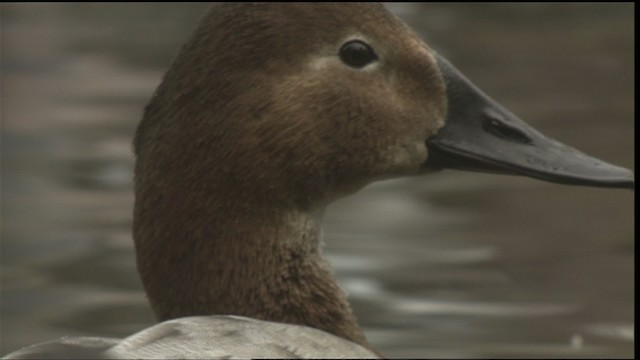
x,y
494,124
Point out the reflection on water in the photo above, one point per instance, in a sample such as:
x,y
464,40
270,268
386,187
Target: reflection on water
x,y
452,265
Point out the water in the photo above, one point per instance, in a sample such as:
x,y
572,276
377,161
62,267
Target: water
x,y
450,265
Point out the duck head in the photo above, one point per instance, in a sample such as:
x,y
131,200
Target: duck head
x,y
324,99
313,101
269,112
304,102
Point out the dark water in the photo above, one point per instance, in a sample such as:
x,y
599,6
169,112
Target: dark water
x,y
451,265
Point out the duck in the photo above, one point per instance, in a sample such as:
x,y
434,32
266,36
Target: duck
x,y
268,114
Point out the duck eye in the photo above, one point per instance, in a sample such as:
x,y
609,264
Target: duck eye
x,y
357,54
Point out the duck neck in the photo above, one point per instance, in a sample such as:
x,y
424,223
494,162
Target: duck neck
x,y
260,264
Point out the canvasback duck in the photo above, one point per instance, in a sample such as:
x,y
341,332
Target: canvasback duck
x,y
269,113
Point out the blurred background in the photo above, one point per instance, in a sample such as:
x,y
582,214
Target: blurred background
x,y
451,265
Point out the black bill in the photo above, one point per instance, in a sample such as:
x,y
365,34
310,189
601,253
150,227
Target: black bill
x,y
481,135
